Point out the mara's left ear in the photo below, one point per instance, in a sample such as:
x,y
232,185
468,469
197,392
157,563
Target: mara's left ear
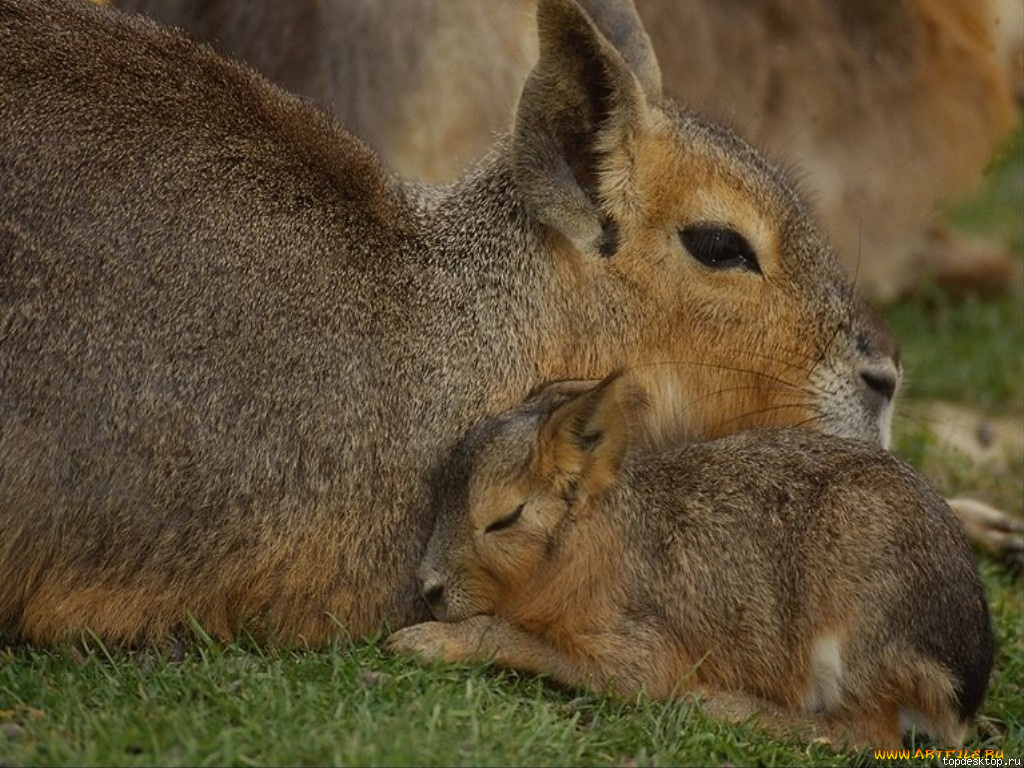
x,y
583,442
579,112
620,23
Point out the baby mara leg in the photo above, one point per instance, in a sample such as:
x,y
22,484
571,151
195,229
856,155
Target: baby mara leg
x,y
840,734
488,639
494,640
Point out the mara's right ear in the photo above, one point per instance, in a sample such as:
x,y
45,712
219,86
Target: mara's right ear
x,y
579,110
583,441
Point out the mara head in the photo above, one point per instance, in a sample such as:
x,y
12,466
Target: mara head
x,y
509,500
689,257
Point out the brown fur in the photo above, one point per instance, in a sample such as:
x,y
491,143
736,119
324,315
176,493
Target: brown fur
x,y
815,573
887,106
230,340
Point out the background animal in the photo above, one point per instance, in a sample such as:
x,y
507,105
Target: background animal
x,y
887,108
820,574
232,341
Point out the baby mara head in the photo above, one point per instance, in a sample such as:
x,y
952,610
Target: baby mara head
x,y
512,489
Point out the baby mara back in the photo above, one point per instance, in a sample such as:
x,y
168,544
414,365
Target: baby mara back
x,y
818,574
231,342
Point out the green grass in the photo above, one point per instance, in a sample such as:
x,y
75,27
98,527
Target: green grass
x,y
247,705
967,351
251,705
972,350
346,705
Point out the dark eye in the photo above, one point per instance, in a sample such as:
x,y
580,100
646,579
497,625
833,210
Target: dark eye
x,y
505,522
719,248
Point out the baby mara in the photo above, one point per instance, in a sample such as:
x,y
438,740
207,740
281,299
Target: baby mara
x,y
806,579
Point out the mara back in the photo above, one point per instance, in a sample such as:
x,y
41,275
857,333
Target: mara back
x,y
232,345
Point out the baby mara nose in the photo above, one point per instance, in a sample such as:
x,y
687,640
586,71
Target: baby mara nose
x,y
432,589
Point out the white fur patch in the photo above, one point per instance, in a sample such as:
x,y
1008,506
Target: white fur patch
x,y
911,718
825,691
885,425
919,722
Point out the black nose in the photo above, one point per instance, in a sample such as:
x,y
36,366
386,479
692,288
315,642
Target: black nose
x,y
433,592
882,381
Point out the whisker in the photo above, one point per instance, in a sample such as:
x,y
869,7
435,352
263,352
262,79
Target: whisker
x,y
913,418
856,265
693,403
796,355
776,408
824,356
851,293
810,420
717,366
806,364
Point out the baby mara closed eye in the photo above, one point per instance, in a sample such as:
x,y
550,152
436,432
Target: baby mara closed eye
x,y
819,577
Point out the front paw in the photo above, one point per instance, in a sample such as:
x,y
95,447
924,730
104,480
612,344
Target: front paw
x,y
427,642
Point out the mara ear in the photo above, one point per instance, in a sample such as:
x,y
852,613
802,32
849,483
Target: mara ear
x,y
578,113
582,443
620,23
552,394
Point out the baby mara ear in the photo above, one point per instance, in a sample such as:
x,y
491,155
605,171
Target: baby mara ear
x,y
583,442
552,394
579,111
